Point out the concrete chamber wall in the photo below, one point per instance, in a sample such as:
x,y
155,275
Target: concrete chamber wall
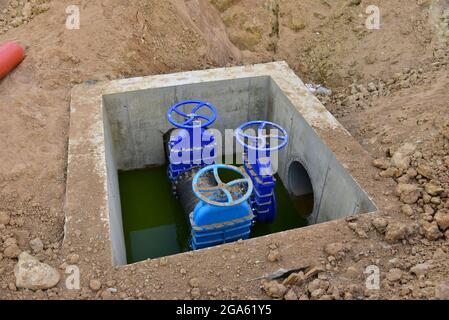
x,y
138,119
135,122
119,125
336,194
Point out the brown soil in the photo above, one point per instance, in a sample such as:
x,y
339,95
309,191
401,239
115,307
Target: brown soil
x,y
325,42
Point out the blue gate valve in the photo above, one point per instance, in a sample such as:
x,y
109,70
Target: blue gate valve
x,y
193,116
260,141
256,160
191,141
223,213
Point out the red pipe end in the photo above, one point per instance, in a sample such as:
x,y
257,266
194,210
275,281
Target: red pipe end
x,y
11,55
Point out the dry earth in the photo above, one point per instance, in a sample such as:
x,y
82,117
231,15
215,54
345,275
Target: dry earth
x,y
390,90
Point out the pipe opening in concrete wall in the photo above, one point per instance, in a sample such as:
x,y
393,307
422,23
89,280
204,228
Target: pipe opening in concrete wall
x,y
299,180
300,187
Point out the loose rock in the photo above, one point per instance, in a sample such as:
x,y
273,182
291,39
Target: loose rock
x,y
399,231
291,295
433,189
22,237
194,282
425,170
94,285
394,275
380,224
383,164
12,251
390,173
73,258
316,294
314,285
408,193
334,249
36,245
274,289
442,219
442,291
407,210
195,293
421,269
34,275
431,231
4,218
274,255
400,158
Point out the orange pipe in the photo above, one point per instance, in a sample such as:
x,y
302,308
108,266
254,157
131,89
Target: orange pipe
x,y
11,54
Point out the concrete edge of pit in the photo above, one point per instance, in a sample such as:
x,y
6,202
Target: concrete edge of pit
x,y
86,205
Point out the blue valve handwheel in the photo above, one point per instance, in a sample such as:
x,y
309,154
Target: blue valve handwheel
x,y
206,193
194,115
261,138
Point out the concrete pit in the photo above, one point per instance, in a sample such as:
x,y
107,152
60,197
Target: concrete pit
x,y
120,125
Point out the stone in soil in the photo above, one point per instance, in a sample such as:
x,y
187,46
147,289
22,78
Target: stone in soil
x,y
94,285
12,251
274,256
314,285
73,258
334,249
35,275
22,237
390,173
380,224
442,291
394,275
397,231
36,245
4,218
291,295
425,170
433,189
194,282
408,193
274,289
316,294
421,269
442,219
407,210
431,231
401,158
383,164
195,293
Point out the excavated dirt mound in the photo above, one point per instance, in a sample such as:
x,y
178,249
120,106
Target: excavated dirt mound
x,y
389,90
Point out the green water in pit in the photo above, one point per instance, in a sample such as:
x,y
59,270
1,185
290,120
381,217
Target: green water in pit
x,y
155,225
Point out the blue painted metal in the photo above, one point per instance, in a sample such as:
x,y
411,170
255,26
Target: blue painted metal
x,y
260,141
190,146
256,160
193,116
263,199
223,213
